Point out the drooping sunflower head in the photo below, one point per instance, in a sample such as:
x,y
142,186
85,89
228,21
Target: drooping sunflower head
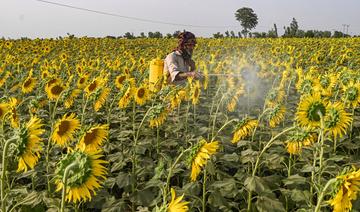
x,y
82,81
337,120
310,110
306,85
93,138
65,129
101,97
199,155
28,145
276,115
70,96
4,108
14,118
119,80
195,92
88,173
158,115
299,138
93,86
243,129
274,97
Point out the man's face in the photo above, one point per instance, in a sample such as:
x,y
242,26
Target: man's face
x,y
190,45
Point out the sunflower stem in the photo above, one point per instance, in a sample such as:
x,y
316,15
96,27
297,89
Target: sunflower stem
x,y
227,123
204,192
3,171
65,177
83,111
157,139
170,173
318,205
215,115
268,145
321,142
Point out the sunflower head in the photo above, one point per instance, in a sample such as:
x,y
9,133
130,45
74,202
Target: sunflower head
x,y
93,138
243,129
337,120
87,174
176,204
141,95
310,109
158,115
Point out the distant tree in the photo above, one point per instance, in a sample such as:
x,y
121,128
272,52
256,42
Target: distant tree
x,y
218,35
232,34
227,34
150,35
338,34
273,32
157,35
309,34
142,35
291,30
247,18
129,35
239,35
168,35
276,31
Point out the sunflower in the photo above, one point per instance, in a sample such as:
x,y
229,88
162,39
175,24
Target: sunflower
x,y
93,86
64,129
199,156
347,187
176,205
87,175
69,100
126,98
175,100
158,115
274,97
83,79
306,85
4,78
337,120
351,95
102,98
45,74
276,115
28,85
141,95
14,118
243,129
308,110
299,138
54,91
29,146
51,82
4,108
119,80
195,92
94,137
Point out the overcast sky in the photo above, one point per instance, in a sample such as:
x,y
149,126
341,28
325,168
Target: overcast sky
x,y
31,18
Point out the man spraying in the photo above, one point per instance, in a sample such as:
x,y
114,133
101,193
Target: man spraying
x,y
178,65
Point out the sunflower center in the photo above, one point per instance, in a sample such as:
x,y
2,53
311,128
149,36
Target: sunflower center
x,y
64,126
121,79
56,90
352,93
92,86
27,83
82,80
51,82
1,112
315,109
141,93
333,118
196,93
90,137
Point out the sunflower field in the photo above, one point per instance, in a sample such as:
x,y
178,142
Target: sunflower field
x,y
273,125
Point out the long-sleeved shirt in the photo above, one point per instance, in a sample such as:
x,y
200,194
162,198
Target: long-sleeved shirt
x,y
174,64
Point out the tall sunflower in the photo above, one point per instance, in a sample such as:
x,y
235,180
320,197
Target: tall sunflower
x,y
82,81
29,144
141,95
176,205
199,156
28,85
347,187
126,98
64,129
243,129
85,178
337,120
94,137
100,100
308,110
119,80
93,86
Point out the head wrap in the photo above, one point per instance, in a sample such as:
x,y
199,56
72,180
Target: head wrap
x,y
185,38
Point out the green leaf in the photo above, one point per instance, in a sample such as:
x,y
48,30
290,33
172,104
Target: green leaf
x,y
255,184
294,179
230,157
265,204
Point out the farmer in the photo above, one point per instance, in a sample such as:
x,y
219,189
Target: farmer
x,y
178,65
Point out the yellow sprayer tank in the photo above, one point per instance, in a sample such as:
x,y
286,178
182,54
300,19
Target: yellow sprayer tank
x,y
155,75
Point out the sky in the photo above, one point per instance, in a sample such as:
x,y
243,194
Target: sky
x,y
33,18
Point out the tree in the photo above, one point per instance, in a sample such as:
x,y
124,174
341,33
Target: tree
x,y
176,33
218,35
227,34
129,35
232,33
292,30
247,18
142,35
